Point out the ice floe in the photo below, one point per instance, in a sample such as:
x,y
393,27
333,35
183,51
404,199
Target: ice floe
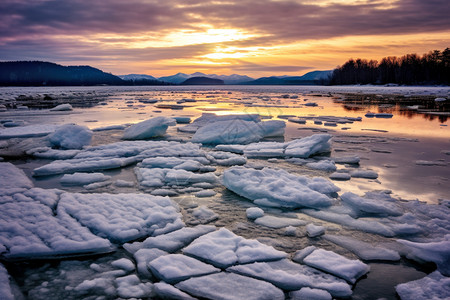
x,y
314,230
291,276
278,222
254,212
156,177
229,286
168,291
174,268
379,204
433,286
307,293
83,178
278,188
62,107
148,129
70,136
122,217
13,177
27,131
223,248
364,250
336,264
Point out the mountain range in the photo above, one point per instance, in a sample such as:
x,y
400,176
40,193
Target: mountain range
x,y
36,73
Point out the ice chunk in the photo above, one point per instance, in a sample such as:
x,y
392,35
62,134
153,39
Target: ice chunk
x,y
27,131
278,222
368,174
436,251
131,287
46,152
79,165
83,178
167,291
29,228
291,276
143,257
159,177
364,250
124,264
5,288
314,230
223,248
237,132
307,293
340,176
301,254
148,129
226,159
13,177
204,214
254,212
433,286
336,264
229,286
207,118
174,268
346,160
182,120
373,204
123,217
305,147
71,136
62,107
205,193
271,187
323,165
175,240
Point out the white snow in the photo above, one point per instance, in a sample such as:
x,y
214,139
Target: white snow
x,y
278,188
123,217
148,129
229,286
254,212
174,268
223,248
62,107
205,214
83,178
336,264
13,177
291,276
434,286
364,250
70,136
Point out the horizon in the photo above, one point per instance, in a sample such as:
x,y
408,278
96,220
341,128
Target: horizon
x,y
272,37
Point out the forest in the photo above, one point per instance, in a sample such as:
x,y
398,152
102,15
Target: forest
x,y
432,68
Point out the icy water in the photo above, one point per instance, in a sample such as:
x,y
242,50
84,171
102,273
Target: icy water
x,y
406,146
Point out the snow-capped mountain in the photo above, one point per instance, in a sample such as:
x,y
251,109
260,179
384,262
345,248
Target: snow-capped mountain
x,y
228,79
134,77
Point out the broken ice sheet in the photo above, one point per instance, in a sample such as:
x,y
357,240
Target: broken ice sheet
x,y
123,217
433,286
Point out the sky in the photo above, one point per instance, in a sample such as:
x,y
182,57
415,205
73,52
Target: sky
x,y
253,37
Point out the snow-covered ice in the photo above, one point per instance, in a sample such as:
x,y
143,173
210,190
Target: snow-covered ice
x,y
254,212
62,107
314,230
433,286
278,188
5,287
123,217
13,177
168,291
148,129
291,276
278,222
83,178
223,248
27,131
229,286
336,264
174,268
307,293
71,136
131,287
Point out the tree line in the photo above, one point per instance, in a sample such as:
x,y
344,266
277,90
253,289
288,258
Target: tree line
x,y
411,69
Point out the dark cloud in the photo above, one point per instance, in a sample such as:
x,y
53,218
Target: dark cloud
x,y
47,29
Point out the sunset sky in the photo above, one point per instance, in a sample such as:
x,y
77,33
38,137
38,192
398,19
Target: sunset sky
x,y
256,38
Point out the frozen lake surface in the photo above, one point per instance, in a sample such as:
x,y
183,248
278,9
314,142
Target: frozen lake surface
x,y
263,192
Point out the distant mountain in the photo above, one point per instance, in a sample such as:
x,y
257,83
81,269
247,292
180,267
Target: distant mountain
x,y
37,73
227,79
201,80
134,77
310,78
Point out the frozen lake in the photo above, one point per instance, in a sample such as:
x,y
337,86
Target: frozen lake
x,y
303,191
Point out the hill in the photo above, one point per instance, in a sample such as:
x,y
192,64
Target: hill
x,y
37,73
202,81
227,79
310,78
